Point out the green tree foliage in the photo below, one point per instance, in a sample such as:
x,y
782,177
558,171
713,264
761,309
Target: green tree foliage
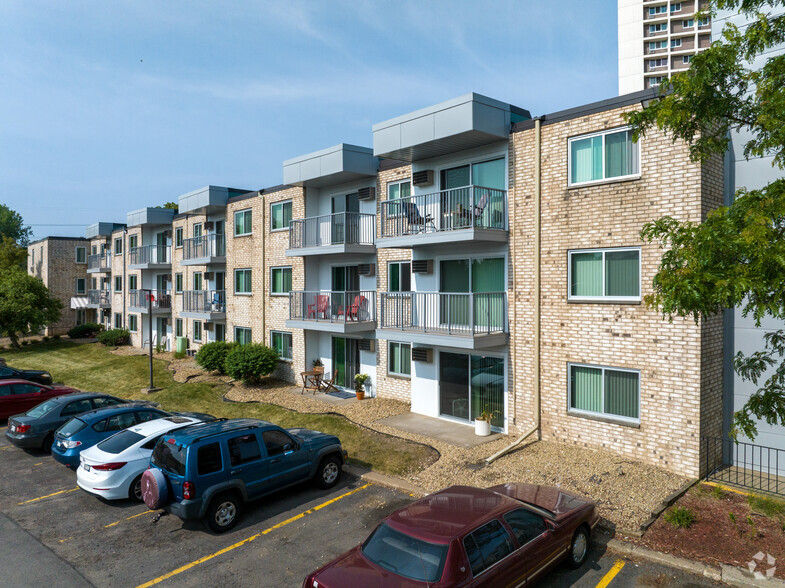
x,y
25,305
737,256
12,226
11,254
251,362
172,205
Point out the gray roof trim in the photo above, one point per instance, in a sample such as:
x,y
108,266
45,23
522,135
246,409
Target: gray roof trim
x,y
53,238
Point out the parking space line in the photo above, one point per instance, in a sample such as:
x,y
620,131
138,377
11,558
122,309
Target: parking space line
x,y
608,578
129,518
296,517
38,464
47,496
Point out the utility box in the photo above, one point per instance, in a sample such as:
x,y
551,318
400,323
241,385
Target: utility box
x,y
182,344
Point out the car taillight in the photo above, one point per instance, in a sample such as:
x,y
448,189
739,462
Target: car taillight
x,y
71,444
188,490
22,428
108,467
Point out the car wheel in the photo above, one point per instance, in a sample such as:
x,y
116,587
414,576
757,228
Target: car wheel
x,y
135,490
48,441
329,472
223,512
579,548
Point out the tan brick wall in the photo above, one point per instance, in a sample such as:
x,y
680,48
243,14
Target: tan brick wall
x,y
119,268
187,224
136,336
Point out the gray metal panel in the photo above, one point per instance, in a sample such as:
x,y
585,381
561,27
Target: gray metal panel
x,y
102,229
334,165
150,216
332,327
444,340
443,237
341,248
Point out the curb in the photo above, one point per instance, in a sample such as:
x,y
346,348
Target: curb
x,y
385,480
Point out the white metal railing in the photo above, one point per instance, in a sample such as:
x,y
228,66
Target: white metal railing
x,y
451,313
204,301
340,228
333,307
143,298
99,261
212,245
100,297
150,254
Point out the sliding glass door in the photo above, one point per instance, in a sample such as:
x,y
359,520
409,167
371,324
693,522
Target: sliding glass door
x,y
346,361
484,278
469,384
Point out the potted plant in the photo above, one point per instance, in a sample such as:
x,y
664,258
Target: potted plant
x,y
318,366
482,423
359,385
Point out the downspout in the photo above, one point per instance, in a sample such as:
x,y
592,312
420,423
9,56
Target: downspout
x,y
125,279
264,268
537,297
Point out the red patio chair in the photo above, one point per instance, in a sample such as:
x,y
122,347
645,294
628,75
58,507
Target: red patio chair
x,y
321,307
353,311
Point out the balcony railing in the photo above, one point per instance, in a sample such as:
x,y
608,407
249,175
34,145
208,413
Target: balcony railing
x,y
204,301
333,307
447,210
100,297
99,261
143,298
212,245
341,228
150,254
445,313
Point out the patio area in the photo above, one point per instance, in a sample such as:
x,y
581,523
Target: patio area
x,y
448,432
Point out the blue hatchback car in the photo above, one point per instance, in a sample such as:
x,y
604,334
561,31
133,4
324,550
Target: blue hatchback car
x,y
93,427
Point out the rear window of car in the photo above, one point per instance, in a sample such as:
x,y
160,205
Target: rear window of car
x,y
42,409
169,457
405,555
71,428
120,442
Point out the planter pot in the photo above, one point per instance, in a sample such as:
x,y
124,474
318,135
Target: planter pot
x,y
482,428
360,393
319,369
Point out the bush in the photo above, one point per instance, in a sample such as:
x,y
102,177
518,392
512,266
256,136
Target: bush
x,y
681,517
55,337
26,342
45,339
212,356
115,337
85,330
251,362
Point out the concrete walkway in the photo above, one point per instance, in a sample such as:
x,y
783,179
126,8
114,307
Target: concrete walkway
x,y
448,432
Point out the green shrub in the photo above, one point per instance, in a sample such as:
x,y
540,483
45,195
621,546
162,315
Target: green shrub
x,y
55,337
115,337
771,507
251,362
212,356
26,342
45,339
681,517
85,330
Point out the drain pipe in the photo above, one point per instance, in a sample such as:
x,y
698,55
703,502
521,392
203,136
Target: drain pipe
x,y
264,267
537,255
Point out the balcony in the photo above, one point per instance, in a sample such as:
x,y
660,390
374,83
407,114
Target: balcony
x,y
468,214
142,301
150,257
464,320
99,299
99,263
342,232
208,305
334,312
204,250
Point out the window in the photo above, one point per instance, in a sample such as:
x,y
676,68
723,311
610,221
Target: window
x,y
81,286
118,320
405,555
243,449
281,281
208,459
402,189
132,282
178,327
242,223
400,359
242,281
132,320
656,63
606,391
277,442
120,422
178,283
77,407
197,331
655,10
197,230
178,237
656,45
106,401
133,241
220,331
81,255
280,215
703,22
399,276
197,280
657,28
655,80
118,246
486,546
603,156
242,335
688,23
605,274
81,316
525,525
282,343
675,43
676,7
118,283
685,59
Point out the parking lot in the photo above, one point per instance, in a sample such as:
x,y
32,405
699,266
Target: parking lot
x,y
54,533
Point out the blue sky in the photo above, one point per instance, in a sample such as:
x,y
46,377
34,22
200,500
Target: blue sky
x,y
109,106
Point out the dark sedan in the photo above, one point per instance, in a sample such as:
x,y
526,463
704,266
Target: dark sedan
x,y
19,395
507,535
37,376
35,428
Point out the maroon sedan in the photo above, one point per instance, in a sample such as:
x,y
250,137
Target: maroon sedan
x,y
507,535
20,395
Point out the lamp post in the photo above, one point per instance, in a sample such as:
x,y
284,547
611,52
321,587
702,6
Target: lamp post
x,y
149,295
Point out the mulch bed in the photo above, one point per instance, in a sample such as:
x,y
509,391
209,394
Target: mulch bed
x,y
713,538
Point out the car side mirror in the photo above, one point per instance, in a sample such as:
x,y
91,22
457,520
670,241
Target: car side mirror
x,y
287,447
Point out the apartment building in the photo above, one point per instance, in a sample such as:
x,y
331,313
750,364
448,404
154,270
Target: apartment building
x,y
657,39
99,272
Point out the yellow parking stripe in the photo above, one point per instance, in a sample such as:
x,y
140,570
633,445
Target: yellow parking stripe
x,y
6,447
248,540
129,518
608,578
47,496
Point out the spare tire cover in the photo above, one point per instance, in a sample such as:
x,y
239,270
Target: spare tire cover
x,y
155,488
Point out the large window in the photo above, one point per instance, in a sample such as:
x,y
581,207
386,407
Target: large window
x,y
178,237
280,215
198,280
399,276
81,286
401,189
281,281
178,327
118,320
133,322
242,222
242,281
132,282
118,283
605,275
282,343
178,283
133,241
603,156
81,255
400,359
242,335
118,246
197,331
610,392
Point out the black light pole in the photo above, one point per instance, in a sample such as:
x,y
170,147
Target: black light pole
x,y
150,330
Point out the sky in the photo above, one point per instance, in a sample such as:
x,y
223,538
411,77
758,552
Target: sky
x,y
111,106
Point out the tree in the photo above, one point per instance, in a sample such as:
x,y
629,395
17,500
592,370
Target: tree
x,y
25,305
172,205
737,256
11,226
11,254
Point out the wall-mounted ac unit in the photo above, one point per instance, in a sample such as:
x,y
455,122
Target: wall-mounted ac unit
x,y
366,269
422,354
424,177
208,326
209,275
368,193
422,266
209,225
367,345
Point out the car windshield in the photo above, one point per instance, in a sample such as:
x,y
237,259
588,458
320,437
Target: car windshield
x,y
42,409
405,555
120,442
71,428
169,457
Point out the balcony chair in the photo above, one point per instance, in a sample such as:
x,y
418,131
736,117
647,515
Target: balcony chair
x,y
322,306
352,312
327,383
480,208
217,305
415,219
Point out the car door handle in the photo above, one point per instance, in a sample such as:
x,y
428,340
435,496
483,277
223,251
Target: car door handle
x,y
275,460
235,472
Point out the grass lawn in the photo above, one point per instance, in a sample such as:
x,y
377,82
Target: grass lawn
x,y
91,367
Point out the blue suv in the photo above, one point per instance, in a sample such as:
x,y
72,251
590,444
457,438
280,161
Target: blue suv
x,y
209,470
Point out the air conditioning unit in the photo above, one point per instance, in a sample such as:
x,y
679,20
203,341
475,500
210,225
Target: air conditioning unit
x,y
209,225
367,345
208,326
422,354
209,275
366,269
368,193
422,266
424,177
167,234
